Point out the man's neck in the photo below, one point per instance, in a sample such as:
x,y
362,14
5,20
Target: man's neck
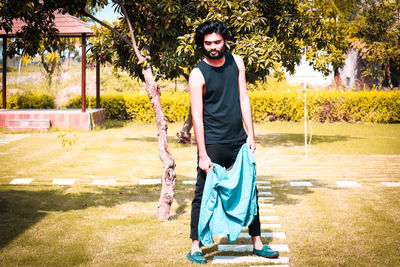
x,y
215,62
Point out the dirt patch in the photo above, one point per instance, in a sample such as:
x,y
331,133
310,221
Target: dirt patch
x,y
73,90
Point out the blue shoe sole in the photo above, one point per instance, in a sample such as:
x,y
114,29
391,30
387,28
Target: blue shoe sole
x,y
199,258
266,252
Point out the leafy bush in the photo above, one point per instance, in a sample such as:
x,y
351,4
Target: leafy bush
x,y
323,106
31,100
136,106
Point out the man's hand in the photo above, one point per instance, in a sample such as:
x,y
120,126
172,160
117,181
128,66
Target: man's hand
x,y
251,143
205,163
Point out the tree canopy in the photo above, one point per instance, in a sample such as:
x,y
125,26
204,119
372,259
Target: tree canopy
x,y
270,35
375,36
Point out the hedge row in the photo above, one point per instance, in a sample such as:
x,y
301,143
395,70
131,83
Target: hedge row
x,y
137,106
327,106
31,100
323,106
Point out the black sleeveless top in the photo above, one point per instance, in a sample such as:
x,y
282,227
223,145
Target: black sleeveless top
x,y
222,116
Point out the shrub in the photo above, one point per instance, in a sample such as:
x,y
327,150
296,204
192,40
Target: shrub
x,y
323,106
136,106
31,100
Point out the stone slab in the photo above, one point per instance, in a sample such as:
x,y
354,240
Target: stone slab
x,y
263,182
149,181
267,210
103,182
390,184
264,187
64,181
269,218
189,182
261,193
301,184
249,248
280,235
247,259
263,205
21,181
266,198
348,184
270,225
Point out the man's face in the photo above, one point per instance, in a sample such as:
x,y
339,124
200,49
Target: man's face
x,y
214,45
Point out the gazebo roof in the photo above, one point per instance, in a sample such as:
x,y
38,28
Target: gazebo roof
x,y
67,25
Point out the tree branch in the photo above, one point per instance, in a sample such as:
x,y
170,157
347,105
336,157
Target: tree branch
x,y
137,52
107,26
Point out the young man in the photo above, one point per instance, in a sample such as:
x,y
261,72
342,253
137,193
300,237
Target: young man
x,y
220,104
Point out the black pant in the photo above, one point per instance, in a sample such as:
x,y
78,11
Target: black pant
x,y
224,155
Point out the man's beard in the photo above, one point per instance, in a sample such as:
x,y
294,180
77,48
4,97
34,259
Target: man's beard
x,y
220,53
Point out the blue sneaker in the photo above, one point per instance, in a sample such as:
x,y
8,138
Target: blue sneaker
x,y
266,252
197,257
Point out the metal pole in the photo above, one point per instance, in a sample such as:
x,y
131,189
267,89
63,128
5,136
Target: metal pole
x,y
4,82
83,64
305,120
97,83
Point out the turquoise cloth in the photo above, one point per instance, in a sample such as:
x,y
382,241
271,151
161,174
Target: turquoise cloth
x,y
229,200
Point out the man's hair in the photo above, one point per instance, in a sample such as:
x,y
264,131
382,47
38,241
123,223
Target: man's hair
x,y
208,27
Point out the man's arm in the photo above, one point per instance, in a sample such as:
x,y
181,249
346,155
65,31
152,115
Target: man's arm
x,y
245,104
196,85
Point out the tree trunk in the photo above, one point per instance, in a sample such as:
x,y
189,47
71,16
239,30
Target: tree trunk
x,y
337,78
66,69
184,135
389,77
169,175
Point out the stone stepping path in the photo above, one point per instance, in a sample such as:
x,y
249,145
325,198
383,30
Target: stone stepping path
x,y
149,181
21,181
269,218
263,182
263,205
390,184
348,184
103,182
247,248
270,225
263,208
64,181
189,182
301,184
264,193
266,198
264,187
267,210
247,259
279,235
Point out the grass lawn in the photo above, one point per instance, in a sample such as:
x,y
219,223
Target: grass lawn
x,y
42,224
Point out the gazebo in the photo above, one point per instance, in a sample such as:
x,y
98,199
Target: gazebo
x,y
68,26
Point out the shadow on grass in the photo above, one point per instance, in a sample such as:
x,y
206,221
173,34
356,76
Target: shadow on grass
x,y
172,141
274,139
110,124
21,207
287,140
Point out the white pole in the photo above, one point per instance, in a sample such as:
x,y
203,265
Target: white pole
x,y
305,120
19,69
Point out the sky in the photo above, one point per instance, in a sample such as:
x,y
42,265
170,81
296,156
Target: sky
x,y
107,14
